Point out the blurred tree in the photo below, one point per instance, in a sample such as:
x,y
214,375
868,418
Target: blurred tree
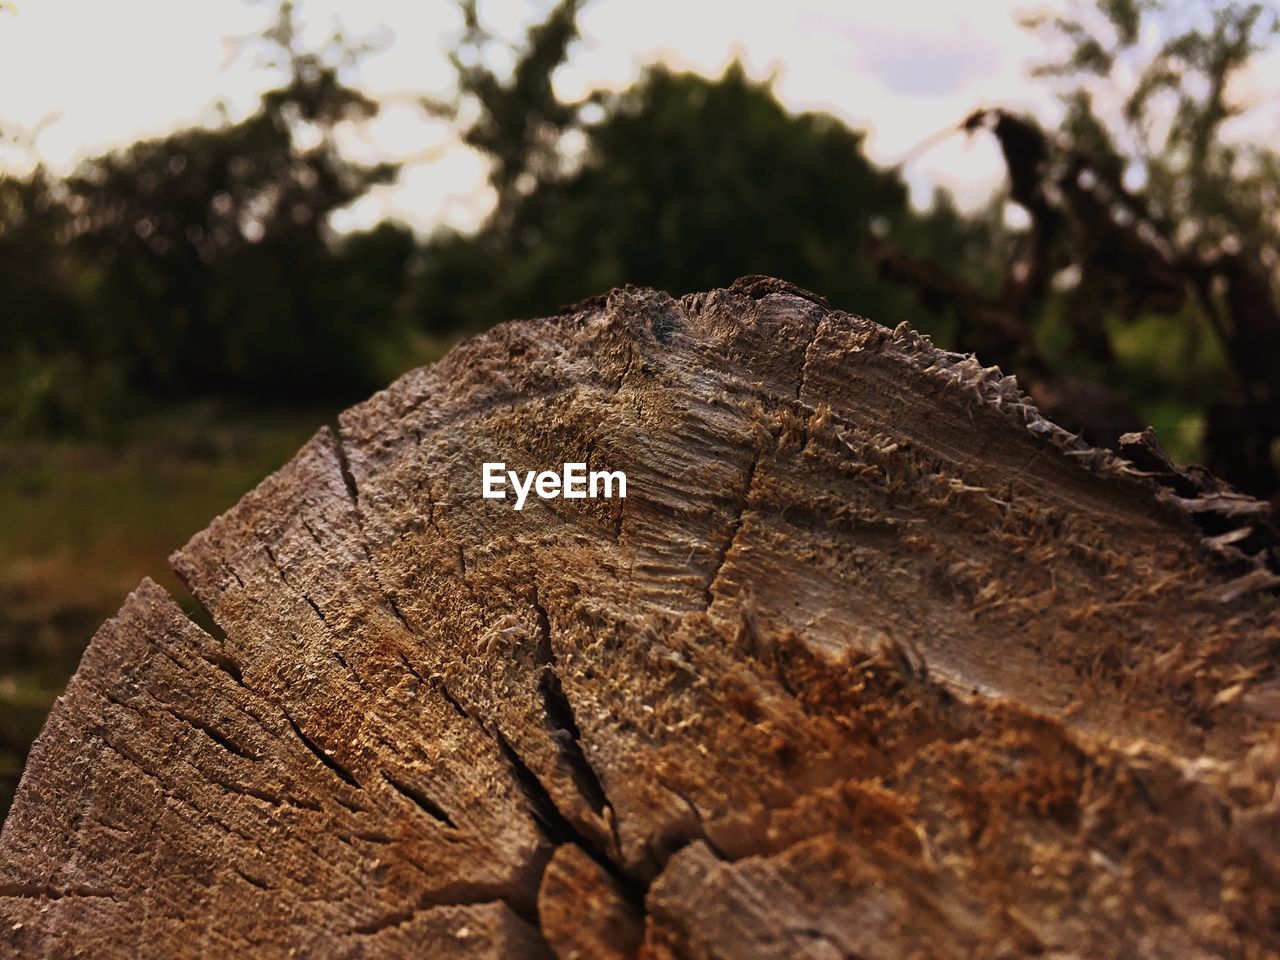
x,y
215,243
1176,214
1151,221
680,182
48,381
685,183
520,120
202,262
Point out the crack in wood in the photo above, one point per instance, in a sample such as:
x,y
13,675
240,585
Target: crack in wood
x,y
386,597
299,593
731,536
210,731
555,826
420,800
137,763
321,754
566,732
551,823
49,891
253,881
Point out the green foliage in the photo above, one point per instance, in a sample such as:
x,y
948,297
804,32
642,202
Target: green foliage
x,y
682,183
201,262
213,243
1213,193
50,377
57,393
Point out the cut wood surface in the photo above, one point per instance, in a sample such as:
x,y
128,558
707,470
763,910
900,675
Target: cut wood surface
x,y
871,662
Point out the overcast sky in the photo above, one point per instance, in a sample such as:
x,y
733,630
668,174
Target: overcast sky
x,y
99,73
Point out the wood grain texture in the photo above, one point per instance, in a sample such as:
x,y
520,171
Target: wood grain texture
x,y
872,661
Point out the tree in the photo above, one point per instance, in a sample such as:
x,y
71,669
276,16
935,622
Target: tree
x,y
1152,215
521,119
202,262
680,181
48,380
221,265
687,183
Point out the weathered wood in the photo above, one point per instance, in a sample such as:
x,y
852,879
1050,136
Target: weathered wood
x,y
872,661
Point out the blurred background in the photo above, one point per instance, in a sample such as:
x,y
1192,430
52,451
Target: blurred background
x,y
222,222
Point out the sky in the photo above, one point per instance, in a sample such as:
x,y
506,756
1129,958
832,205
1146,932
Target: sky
x,y
94,74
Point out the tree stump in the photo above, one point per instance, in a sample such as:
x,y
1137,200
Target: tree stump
x,y
872,661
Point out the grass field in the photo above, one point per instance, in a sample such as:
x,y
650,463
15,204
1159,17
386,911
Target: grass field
x,y
82,523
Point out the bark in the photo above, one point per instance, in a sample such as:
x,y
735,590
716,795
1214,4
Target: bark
x,y
872,661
